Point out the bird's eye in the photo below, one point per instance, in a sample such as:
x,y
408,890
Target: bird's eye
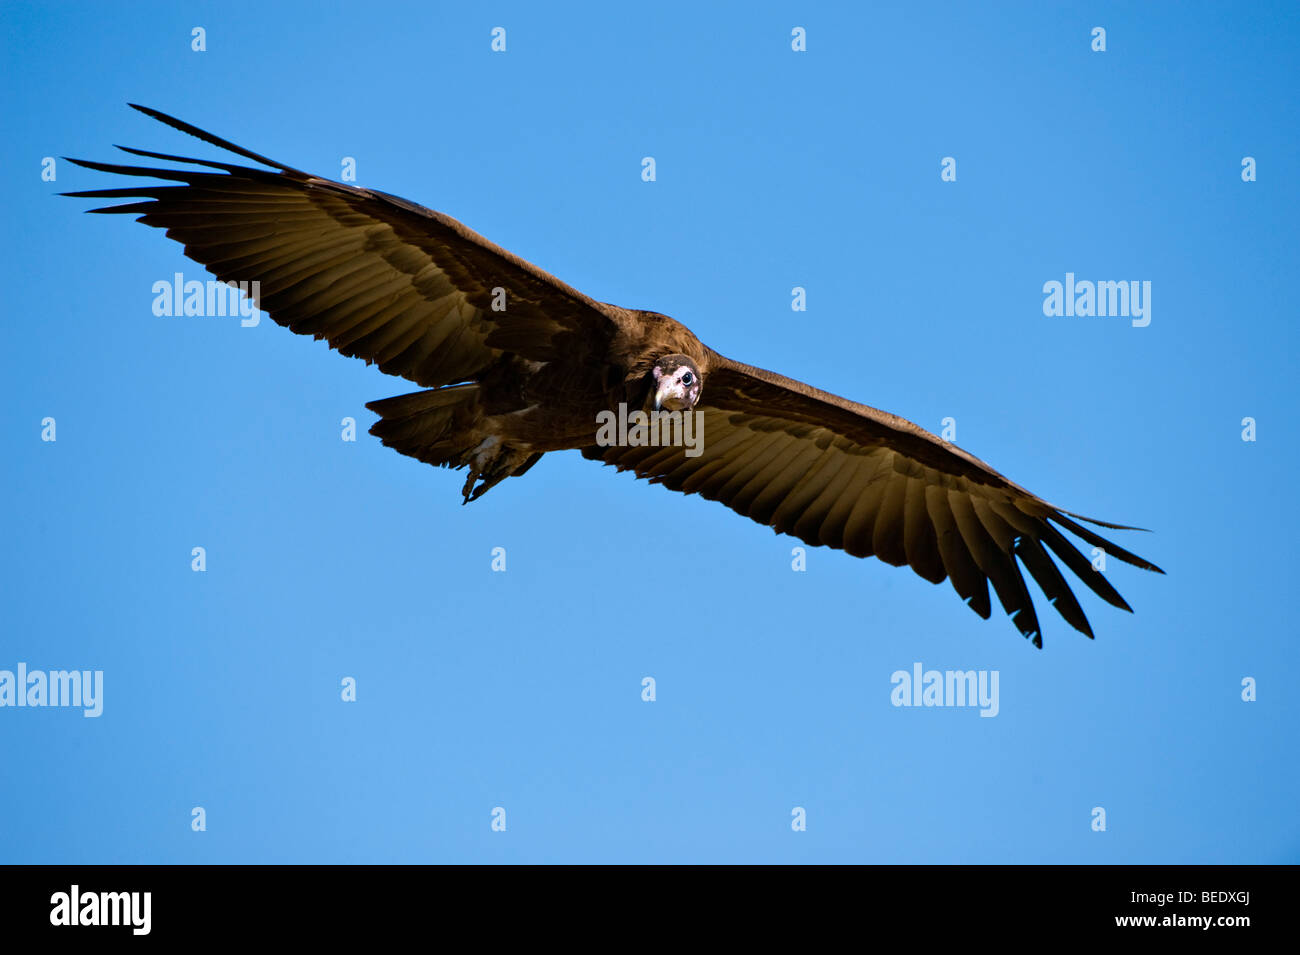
x,y
688,379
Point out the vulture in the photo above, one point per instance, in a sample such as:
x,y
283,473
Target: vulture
x,y
513,363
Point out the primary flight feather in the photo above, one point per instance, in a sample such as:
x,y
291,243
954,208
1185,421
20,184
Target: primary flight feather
x,y
516,363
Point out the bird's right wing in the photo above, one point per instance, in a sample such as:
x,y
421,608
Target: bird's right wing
x,y
380,278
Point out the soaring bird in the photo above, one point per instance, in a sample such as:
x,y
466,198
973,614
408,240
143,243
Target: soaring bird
x,y
515,363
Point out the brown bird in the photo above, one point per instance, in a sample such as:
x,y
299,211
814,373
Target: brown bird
x,y
516,363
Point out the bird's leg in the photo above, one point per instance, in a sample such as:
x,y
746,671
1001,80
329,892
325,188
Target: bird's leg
x,y
488,483
492,462
480,462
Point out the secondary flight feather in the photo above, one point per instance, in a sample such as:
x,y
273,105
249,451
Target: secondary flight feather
x,y
515,364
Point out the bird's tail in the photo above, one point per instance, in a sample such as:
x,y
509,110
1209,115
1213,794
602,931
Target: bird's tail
x,y
436,427
446,427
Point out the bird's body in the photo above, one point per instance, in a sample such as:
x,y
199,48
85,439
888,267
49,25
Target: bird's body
x,y
516,364
524,408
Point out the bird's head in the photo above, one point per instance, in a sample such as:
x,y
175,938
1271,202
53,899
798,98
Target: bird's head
x,y
677,383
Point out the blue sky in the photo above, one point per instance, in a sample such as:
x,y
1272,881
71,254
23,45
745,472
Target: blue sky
x,y
522,690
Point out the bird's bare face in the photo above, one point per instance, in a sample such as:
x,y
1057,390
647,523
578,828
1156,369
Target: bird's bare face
x,y
677,383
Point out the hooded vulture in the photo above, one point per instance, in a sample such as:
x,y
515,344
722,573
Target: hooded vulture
x,y
514,363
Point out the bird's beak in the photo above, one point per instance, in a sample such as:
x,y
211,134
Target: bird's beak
x,y
668,389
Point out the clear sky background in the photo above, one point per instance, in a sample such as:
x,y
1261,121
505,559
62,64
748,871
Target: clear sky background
x,y
776,169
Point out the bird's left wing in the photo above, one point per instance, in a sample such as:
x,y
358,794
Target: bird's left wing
x,y
836,473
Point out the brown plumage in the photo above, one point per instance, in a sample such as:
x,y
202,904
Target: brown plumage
x,y
517,364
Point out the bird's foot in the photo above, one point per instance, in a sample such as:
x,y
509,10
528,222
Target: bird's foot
x,y
484,464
